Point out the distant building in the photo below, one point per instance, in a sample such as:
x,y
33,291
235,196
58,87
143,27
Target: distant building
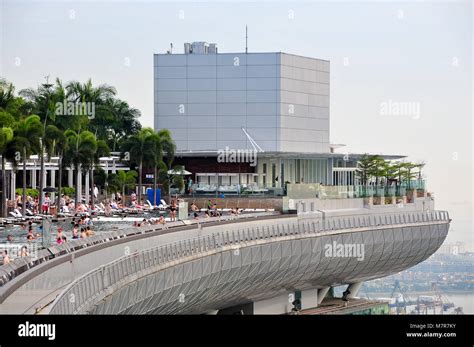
x,y
455,248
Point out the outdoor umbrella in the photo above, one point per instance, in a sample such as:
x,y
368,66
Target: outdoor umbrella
x,y
180,172
49,190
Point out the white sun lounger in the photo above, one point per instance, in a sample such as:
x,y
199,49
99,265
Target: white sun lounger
x,y
15,213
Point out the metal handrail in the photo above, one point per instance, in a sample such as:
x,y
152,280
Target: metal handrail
x,y
20,265
194,246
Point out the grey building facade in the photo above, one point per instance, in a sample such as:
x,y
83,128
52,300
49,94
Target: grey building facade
x,y
205,99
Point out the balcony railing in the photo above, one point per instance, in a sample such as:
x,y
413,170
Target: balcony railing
x,y
370,190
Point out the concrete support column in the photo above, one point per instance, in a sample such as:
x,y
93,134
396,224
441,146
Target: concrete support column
x,y
45,177
70,181
86,178
12,184
33,179
279,183
53,182
309,298
79,182
353,289
277,305
322,294
394,200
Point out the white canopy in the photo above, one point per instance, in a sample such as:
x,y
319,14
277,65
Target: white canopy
x,y
181,172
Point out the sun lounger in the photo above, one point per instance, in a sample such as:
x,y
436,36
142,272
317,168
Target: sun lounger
x,y
15,213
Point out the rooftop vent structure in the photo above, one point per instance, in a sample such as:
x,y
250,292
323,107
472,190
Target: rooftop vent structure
x,y
200,48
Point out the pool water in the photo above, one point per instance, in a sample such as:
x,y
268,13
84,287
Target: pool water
x,y
100,224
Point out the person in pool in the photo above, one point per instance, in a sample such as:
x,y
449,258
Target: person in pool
x,y
75,231
89,231
83,233
162,220
24,252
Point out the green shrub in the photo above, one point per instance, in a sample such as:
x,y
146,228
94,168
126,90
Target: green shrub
x,y
69,191
34,193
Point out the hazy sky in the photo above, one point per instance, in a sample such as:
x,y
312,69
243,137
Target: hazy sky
x,y
383,54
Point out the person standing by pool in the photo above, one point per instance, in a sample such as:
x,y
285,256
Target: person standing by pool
x,y
173,210
190,186
194,210
96,192
46,202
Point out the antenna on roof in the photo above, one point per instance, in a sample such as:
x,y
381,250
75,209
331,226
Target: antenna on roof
x,y
246,40
47,84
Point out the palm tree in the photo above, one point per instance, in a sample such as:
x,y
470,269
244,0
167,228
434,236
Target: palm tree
x,y
97,96
6,136
162,144
7,93
125,179
43,101
177,179
102,151
122,124
140,148
27,134
81,148
56,143
7,121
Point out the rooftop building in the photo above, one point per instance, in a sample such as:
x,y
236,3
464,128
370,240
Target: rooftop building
x,y
205,98
223,105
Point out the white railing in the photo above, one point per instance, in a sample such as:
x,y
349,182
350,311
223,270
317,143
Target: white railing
x,y
87,287
21,264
